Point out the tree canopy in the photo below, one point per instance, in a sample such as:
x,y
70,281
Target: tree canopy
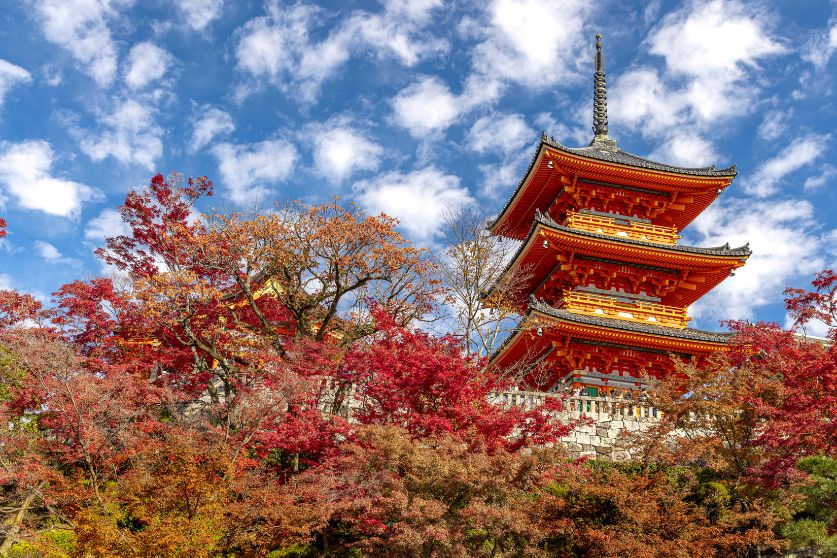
x,y
256,384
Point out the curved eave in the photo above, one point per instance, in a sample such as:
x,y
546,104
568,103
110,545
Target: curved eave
x,y
629,160
623,244
554,321
694,181
644,335
629,250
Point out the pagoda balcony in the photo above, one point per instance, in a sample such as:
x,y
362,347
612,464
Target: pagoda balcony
x,y
620,226
624,309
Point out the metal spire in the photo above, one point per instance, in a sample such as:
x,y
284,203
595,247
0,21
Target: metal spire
x,y
599,93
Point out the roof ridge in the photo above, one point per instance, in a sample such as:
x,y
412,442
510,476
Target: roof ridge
x,y
688,333
739,251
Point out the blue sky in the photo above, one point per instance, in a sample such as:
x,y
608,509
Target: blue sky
x,y
408,106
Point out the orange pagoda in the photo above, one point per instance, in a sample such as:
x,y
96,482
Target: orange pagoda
x,y
603,284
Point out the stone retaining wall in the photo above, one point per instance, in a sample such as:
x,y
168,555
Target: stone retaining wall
x,y
607,419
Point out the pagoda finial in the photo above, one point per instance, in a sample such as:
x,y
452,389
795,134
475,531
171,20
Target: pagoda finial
x,y
599,93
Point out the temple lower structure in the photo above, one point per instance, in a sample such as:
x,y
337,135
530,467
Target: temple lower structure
x,y
602,282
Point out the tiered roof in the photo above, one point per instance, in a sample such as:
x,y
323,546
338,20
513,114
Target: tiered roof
x,y
595,289
537,257
556,171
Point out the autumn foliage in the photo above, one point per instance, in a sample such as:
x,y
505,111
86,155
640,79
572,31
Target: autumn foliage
x,y
259,385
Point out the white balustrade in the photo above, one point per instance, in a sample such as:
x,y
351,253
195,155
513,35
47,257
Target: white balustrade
x,y
596,408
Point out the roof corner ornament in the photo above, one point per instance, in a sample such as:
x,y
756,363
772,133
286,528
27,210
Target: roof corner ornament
x,y
600,138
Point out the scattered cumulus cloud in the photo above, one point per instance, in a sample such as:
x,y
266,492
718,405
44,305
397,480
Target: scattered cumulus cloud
x,y
774,124
108,223
129,134
81,28
715,39
279,47
518,42
509,138
200,13
26,174
801,152
823,47
712,50
51,254
341,150
418,199
248,171
499,179
209,123
527,42
146,63
828,174
47,251
427,106
784,248
11,76
814,328
505,133
686,149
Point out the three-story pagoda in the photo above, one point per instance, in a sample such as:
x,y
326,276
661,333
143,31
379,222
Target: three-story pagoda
x,y
605,285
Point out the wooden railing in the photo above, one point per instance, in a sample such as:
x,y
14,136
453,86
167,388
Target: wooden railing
x,y
614,226
596,408
632,310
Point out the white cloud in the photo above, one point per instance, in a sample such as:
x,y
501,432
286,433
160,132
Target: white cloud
x,y
81,27
6,282
517,42
25,171
529,42
10,76
200,13
146,63
774,124
641,100
784,248
129,134
418,199
399,31
801,152
822,48
829,172
686,149
712,51
500,133
713,40
270,43
341,150
50,254
814,328
107,224
426,106
508,137
279,48
211,123
501,177
47,251
248,170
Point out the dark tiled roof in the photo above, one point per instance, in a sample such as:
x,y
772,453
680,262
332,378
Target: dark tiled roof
x,y
725,250
687,333
612,154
